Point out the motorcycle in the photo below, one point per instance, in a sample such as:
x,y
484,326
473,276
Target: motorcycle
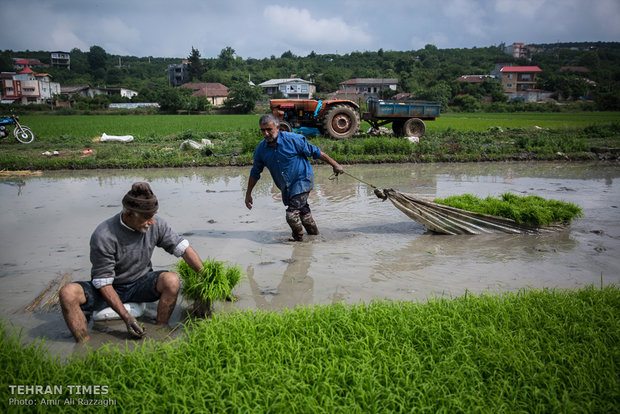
x,y
21,133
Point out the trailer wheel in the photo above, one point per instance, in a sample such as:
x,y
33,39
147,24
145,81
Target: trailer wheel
x,y
341,121
397,127
414,127
285,126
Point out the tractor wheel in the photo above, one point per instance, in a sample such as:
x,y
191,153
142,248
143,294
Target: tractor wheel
x,y
285,126
414,127
397,127
341,121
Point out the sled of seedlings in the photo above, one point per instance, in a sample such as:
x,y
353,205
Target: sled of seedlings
x,y
215,282
468,214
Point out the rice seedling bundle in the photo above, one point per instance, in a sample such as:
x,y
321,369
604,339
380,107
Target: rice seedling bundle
x,y
531,210
215,282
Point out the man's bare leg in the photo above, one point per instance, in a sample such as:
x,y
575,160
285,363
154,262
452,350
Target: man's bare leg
x,y
168,284
71,296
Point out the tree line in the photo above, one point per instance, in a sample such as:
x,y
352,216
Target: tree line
x,y
428,73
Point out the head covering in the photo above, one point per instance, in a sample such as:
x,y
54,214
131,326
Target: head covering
x,y
141,199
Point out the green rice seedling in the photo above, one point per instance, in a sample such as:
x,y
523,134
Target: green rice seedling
x,y
527,351
215,282
532,210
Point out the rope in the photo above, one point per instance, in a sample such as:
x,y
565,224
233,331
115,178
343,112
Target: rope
x,y
335,176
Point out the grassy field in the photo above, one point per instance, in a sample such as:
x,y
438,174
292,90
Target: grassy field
x,y
528,351
551,120
158,126
140,126
158,140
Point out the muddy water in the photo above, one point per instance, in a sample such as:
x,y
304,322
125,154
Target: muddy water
x,y
367,248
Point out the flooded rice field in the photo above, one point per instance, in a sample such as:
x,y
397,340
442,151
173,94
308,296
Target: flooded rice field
x,y
367,248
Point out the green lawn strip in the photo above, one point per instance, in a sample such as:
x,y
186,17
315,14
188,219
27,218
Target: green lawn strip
x,y
532,210
162,146
528,351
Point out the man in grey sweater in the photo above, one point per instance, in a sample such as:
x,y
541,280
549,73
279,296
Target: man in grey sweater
x,y
120,252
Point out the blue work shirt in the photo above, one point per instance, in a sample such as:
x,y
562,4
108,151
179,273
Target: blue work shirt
x,y
288,163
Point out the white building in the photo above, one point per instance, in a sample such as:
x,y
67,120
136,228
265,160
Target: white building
x,y
27,87
367,86
294,88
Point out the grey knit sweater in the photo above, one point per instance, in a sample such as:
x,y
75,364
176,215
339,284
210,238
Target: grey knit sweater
x,y
124,254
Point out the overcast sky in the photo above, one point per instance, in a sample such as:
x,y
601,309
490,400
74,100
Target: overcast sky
x,y
261,28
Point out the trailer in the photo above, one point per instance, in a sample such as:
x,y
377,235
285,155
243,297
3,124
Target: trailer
x,y
407,117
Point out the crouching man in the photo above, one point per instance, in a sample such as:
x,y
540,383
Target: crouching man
x,y
120,252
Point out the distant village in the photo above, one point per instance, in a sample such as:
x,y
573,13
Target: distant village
x,y
25,86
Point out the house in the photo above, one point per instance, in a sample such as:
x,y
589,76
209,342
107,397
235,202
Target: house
x,y
80,89
21,64
520,50
60,60
294,88
27,87
365,86
123,92
519,82
403,96
517,79
87,91
178,73
216,93
474,78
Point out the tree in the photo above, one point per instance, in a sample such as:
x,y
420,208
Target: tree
x,y
6,64
97,58
242,98
79,62
226,58
195,67
440,92
467,103
170,99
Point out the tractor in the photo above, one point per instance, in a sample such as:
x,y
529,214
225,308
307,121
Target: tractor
x,y
336,118
340,118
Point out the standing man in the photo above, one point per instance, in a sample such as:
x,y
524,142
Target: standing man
x,y
285,155
120,252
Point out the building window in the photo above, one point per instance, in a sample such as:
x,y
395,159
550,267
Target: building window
x,y
509,85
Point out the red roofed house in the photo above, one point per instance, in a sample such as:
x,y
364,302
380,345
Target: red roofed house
x,y
517,79
216,93
27,87
19,64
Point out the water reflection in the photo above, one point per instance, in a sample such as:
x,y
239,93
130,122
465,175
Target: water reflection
x,y
296,286
19,184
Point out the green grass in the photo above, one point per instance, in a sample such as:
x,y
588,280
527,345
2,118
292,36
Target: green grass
x,y
532,210
529,120
145,126
528,351
158,138
141,127
216,282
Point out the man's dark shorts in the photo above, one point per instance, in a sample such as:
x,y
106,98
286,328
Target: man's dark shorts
x,y
142,290
299,202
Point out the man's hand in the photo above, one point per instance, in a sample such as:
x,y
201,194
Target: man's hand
x,y
134,328
248,201
338,169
